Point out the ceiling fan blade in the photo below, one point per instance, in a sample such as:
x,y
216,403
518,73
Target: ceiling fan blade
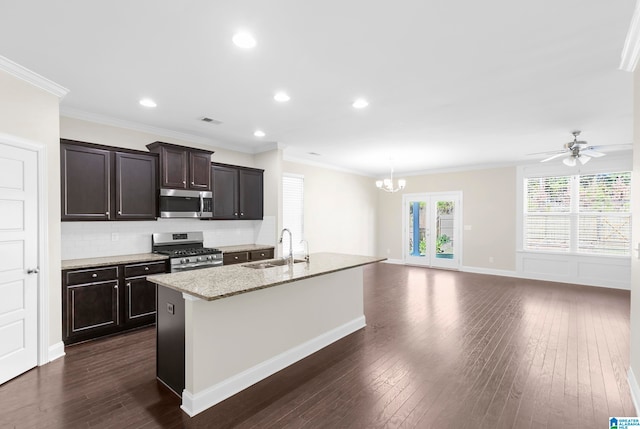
x,y
606,146
557,155
591,152
583,159
570,162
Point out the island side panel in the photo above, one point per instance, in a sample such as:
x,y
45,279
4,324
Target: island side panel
x,y
236,341
170,339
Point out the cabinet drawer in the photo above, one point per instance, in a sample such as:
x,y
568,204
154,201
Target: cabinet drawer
x,y
137,270
235,258
93,275
257,255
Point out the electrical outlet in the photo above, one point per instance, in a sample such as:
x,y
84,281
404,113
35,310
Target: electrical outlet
x,y
171,308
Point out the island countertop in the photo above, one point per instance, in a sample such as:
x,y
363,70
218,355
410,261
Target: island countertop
x,y
216,283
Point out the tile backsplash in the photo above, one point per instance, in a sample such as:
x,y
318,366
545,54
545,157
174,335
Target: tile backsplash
x,y
96,239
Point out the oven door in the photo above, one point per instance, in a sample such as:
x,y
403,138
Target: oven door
x,y
179,203
177,267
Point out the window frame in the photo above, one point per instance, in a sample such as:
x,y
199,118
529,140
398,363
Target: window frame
x,y
611,164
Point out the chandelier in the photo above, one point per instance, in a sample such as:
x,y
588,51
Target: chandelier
x,y
387,185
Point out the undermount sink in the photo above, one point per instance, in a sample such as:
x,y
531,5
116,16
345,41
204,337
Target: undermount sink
x,y
272,263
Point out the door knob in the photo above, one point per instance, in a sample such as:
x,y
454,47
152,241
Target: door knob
x,y
33,271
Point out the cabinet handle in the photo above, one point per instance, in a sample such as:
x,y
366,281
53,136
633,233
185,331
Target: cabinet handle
x,y
119,212
235,214
106,213
94,275
193,183
241,214
235,257
184,182
262,254
128,284
115,286
146,268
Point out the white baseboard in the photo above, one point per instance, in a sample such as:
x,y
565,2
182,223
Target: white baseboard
x,y
56,351
635,390
489,271
193,404
394,261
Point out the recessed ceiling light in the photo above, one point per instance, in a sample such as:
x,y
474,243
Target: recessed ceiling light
x,y
360,103
147,102
259,133
281,97
244,40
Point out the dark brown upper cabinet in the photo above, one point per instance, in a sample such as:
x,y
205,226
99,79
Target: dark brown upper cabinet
x,y
106,183
183,167
85,183
136,186
238,192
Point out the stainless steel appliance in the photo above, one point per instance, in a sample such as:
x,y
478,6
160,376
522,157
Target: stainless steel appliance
x,y
186,250
175,203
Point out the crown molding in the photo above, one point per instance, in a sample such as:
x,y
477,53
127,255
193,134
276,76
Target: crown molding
x,y
23,73
165,132
297,160
631,49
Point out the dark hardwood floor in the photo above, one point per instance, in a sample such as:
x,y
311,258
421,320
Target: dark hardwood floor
x,y
441,349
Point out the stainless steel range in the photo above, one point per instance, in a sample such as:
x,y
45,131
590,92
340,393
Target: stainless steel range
x,y
186,250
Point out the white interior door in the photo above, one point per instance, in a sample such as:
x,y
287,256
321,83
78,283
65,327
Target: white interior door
x,y
18,261
431,229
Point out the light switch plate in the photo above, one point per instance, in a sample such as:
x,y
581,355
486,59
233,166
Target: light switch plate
x,y
171,308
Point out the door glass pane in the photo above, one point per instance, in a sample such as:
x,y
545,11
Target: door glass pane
x,y
445,212
417,238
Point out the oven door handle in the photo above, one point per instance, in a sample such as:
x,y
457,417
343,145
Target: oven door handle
x,y
201,204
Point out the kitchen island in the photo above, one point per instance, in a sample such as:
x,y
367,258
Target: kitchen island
x,y
220,330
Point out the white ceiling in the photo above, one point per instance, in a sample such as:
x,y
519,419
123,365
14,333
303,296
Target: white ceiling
x,y
450,83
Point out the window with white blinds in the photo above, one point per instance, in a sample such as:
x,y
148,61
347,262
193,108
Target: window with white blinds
x,y
293,211
586,214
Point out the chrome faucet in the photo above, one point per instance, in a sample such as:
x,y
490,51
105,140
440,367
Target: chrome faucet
x,y
290,243
306,250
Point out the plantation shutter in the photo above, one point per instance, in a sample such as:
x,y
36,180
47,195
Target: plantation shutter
x,y
604,221
587,214
547,213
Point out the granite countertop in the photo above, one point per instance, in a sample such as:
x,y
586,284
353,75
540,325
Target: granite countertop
x,y
216,283
70,264
244,248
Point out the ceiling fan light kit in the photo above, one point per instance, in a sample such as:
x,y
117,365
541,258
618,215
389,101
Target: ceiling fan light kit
x,y
576,150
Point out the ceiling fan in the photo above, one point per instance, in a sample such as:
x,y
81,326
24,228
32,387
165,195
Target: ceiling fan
x,y
576,150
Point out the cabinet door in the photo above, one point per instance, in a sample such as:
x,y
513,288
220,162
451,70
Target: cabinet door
x,y
200,171
85,183
136,193
139,301
174,167
251,195
225,192
91,309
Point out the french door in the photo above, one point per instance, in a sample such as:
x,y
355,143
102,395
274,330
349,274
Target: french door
x,y
431,229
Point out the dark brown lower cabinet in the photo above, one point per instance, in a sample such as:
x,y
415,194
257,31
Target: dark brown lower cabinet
x,y
94,308
230,258
105,300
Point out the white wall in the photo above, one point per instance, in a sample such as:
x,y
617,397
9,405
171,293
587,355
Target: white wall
x,y
488,209
32,113
634,373
339,210
92,132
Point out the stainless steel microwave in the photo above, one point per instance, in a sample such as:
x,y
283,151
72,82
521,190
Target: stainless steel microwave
x,y
176,203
